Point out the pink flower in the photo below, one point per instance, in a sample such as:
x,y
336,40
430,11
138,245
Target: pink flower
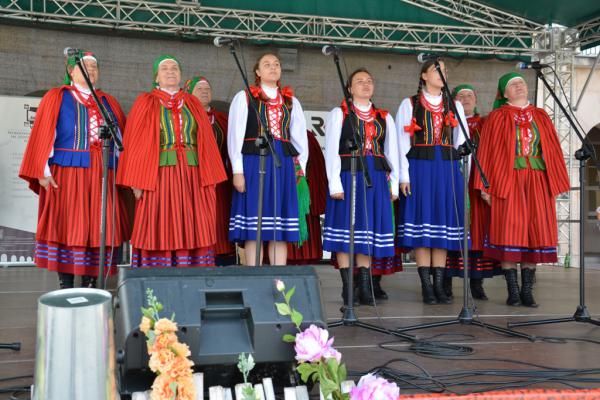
x,y
314,344
371,387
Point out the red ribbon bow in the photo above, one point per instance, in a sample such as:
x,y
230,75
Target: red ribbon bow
x,y
451,120
412,128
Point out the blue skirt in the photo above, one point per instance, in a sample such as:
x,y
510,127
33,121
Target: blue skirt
x,y
432,216
280,205
374,225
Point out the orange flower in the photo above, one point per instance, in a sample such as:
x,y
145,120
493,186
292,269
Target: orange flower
x,y
179,367
163,341
181,349
161,360
164,325
185,388
146,325
161,389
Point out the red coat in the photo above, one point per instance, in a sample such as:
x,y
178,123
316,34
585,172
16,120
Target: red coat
x,y
138,166
497,152
41,139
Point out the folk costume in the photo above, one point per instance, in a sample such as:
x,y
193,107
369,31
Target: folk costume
x,y
64,144
432,215
522,158
224,249
479,267
374,218
171,154
283,203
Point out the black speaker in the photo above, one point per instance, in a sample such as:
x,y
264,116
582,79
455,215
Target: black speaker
x,y
221,312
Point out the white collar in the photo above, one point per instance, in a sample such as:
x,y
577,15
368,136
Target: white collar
x,y
363,108
269,91
82,89
521,107
169,91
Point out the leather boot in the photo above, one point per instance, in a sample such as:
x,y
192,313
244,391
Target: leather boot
x,y
438,285
65,281
344,275
364,287
527,277
512,285
448,286
426,286
477,289
377,290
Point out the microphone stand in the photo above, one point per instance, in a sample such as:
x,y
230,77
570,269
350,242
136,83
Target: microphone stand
x,y
265,145
108,133
466,316
355,145
583,154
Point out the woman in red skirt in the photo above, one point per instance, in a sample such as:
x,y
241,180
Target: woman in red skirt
x,y
200,87
521,155
63,164
172,163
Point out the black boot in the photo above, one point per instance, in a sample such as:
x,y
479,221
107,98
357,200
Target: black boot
x,y
426,286
345,279
88,281
364,287
377,290
527,276
477,289
448,286
65,281
512,285
438,285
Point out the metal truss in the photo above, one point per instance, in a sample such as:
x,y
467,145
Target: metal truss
x,y
589,32
557,47
191,20
474,13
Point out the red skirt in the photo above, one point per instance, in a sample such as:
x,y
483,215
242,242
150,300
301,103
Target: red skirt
x,y
523,226
176,221
223,247
311,251
68,230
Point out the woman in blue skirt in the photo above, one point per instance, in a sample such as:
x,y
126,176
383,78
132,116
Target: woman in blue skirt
x,y
431,182
278,108
374,225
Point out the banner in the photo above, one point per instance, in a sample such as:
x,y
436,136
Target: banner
x,y
18,204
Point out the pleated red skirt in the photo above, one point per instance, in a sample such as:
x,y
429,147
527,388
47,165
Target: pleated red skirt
x,y
523,226
311,251
68,231
223,247
175,225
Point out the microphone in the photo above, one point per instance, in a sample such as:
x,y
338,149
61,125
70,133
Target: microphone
x,y
70,51
532,65
221,41
329,50
424,57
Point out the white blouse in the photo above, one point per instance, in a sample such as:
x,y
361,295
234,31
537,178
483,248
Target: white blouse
x,y
236,129
333,161
404,118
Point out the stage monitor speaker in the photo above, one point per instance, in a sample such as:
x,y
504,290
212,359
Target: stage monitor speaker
x,y
221,312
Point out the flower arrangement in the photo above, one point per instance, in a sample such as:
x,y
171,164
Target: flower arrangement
x,y
319,362
168,357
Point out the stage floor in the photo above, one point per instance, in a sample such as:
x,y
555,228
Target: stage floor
x,y
556,292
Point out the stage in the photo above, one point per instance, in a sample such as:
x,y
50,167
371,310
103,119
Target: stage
x,y
556,291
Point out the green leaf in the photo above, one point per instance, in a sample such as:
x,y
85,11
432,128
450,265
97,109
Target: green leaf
x,y
307,370
297,318
332,367
289,338
151,338
289,294
159,307
342,373
147,312
283,309
173,387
